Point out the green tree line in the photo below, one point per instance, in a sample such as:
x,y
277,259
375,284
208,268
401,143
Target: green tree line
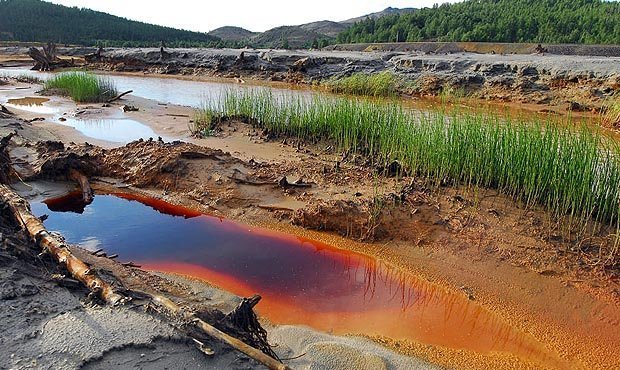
x,y
537,21
35,20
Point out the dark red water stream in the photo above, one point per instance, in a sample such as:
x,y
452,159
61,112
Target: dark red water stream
x,y
302,281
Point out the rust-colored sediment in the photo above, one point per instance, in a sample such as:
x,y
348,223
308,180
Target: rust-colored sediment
x,y
579,330
352,293
434,316
29,101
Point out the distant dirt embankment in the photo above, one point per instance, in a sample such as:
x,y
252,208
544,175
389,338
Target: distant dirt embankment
x,y
580,83
483,48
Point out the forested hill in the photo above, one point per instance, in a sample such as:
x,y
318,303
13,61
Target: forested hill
x,y
35,20
538,21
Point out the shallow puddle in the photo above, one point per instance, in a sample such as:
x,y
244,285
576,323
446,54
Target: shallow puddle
x,y
28,101
115,130
302,281
33,104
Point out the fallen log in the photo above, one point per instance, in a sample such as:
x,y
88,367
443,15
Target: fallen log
x,y
119,96
213,332
87,191
41,237
81,272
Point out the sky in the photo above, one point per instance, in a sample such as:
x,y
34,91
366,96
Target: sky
x,y
255,15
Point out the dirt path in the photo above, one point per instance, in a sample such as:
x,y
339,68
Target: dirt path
x,y
514,262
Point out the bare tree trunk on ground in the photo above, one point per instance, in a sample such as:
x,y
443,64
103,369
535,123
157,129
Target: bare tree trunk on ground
x,y
36,231
252,352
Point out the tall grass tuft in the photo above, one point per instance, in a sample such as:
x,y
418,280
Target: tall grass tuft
x,y
611,115
376,84
204,122
573,171
82,87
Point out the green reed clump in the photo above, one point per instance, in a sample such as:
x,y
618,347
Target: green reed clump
x,y
611,113
82,87
204,122
377,84
573,171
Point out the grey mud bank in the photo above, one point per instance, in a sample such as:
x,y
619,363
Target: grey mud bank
x,y
572,82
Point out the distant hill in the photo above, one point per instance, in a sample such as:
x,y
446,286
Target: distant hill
x,y
293,37
314,34
326,28
510,21
231,33
383,13
35,20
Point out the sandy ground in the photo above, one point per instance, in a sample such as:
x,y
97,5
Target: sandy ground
x,y
510,259
51,324
48,325
57,327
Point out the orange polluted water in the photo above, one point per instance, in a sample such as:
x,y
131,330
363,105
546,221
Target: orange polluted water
x,y
302,281
28,101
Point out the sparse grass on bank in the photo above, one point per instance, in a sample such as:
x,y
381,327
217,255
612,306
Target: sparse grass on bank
x,y
28,79
611,115
383,84
450,94
573,171
82,87
4,79
204,122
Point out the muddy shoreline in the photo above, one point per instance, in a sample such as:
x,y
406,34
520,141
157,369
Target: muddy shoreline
x,y
548,82
430,234
569,82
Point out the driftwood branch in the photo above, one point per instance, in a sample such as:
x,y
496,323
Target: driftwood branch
x,y
81,272
4,142
119,96
37,232
4,110
213,332
244,318
87,191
